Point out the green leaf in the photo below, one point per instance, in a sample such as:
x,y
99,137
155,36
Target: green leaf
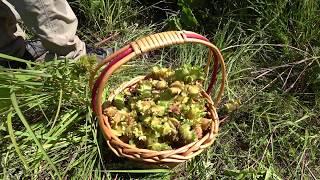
x,y
268,174
4,94
14,142
58,109
11,58
187,19
26,124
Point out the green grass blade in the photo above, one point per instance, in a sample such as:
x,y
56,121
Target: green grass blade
x,y
58,109
4,168
25,72
11,58
64,124
140,171
14,142
26,124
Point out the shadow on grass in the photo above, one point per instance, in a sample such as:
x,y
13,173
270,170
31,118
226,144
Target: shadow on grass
x,y
125,168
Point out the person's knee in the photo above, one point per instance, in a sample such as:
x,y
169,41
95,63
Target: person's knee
x,y
64,45
60,46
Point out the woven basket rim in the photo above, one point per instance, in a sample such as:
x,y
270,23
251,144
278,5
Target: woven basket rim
x,y
136,48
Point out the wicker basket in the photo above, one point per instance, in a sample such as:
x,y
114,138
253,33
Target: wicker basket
x,y
136,48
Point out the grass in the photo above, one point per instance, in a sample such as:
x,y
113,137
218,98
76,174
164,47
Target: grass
x,y
47,128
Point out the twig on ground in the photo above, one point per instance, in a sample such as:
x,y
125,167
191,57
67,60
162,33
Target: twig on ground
x,y
223,120
272,45
303,167
263,88
265,149
313,176
285,82
107,39
292,85
116,177
270,69
264,73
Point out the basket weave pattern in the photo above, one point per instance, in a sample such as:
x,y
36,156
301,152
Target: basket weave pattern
x,y
136,48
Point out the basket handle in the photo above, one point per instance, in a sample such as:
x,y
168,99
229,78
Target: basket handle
x,y
147,44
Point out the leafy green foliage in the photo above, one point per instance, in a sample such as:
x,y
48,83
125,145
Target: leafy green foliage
x,y
187,17
47,111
